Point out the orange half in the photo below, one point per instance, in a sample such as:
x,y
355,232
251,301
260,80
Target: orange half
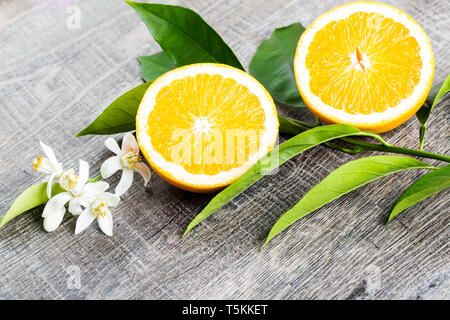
x,y
202,126
365,64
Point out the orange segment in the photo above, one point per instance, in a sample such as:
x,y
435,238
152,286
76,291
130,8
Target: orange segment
x,y
366,64
202,126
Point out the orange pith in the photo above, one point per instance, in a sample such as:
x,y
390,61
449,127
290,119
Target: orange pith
x,y
206,110
363,64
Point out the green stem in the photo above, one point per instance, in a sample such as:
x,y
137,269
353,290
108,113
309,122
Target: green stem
x,y
292,126
394,149
96,179
421,136
343,149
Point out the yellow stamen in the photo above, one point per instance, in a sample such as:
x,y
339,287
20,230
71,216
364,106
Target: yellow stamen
x,y
37,163
69,180
132,158
100,210
73,179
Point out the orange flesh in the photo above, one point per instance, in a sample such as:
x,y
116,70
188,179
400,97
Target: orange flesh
x,y
208,124
363,64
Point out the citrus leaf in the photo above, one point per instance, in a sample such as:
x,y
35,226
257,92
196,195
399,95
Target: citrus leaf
x,y
155,65
431,183
29,199
184,36
435,95
292,126
119,116
273,65
273,159
344,179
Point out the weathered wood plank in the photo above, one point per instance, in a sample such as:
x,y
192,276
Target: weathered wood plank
x,y
54,81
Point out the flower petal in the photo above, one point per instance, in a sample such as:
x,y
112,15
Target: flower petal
x,y
84,220
49,185
86,199
106,223
144,171
129,143
110,198
49,153
75,207
112,145
93,188
56,203
110,166
125,182
45,167
83,175
53,220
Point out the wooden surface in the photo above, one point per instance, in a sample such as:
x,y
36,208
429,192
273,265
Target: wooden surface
x,y
54,81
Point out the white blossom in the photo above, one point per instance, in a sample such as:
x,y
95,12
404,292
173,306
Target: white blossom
x,y
126,159
98,209
48,166
79,192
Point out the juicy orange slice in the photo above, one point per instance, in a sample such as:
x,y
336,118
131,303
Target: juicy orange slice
x,y
202,126
366,64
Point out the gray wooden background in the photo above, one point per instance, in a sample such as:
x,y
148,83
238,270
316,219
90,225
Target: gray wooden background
x,y
54,80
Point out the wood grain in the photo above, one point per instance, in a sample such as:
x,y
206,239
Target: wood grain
x,y
54,81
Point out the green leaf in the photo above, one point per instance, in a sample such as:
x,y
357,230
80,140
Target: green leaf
x,y
273,159
293,126
155,65
435,95
431,183
29,199
184,36
344,179
119,116
273,65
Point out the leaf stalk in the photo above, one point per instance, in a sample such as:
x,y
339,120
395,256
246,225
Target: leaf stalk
x,y
295,127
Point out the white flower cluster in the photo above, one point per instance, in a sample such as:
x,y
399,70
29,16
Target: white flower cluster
x,y
89,200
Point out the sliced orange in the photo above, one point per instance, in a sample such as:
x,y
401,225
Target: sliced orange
x,y
365,64
202,126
